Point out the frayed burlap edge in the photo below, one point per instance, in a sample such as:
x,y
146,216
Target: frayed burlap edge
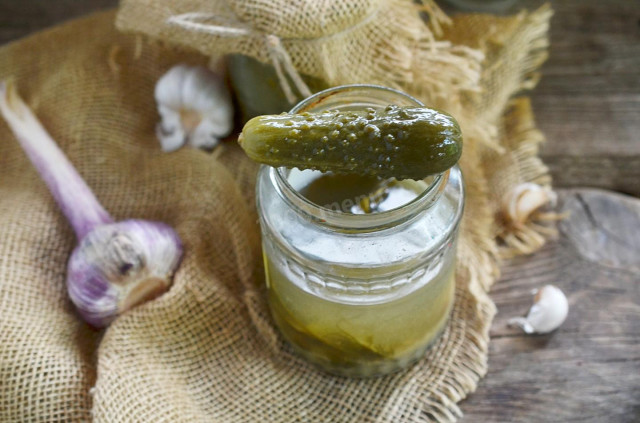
x,y
516,153
525,140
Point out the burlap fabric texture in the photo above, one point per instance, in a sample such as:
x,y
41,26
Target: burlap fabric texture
x,y
207,351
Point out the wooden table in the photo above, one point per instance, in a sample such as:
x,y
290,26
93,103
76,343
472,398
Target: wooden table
x,y
588,370
588,106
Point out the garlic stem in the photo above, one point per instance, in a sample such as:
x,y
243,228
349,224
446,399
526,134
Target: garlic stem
x,y
115,266
74,197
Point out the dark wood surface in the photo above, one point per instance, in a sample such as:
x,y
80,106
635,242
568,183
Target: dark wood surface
x,y
588,106
589,369
22,17
588,101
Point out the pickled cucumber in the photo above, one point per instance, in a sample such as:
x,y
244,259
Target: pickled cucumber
x,y
355,338
400,142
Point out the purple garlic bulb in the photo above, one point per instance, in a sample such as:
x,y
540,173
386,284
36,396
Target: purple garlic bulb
x,y
120,265
115,266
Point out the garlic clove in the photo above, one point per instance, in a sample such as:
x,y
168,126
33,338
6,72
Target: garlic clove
x,y
168,90
549,310
524,199
169,130
221,119
195,108
204,136
202,89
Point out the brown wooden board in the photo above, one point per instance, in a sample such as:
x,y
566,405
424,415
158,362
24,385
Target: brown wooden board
x,y
588,101
589,369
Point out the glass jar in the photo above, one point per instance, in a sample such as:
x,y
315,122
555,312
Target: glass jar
x,y
359,294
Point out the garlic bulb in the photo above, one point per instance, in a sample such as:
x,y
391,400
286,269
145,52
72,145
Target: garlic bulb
x,y
195,108
120,265
524,199
115,266
549,310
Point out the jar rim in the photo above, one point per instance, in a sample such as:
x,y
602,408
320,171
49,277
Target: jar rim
x,y
339,220
308,103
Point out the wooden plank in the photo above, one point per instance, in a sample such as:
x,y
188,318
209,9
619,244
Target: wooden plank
x,y
19,18
619,173
588,101
589,369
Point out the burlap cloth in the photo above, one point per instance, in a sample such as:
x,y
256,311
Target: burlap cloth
x,y
207,350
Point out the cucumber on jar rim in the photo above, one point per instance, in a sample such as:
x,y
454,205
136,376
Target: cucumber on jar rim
x,y
399,142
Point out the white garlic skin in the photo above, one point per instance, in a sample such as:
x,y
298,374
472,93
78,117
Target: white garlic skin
x,y
549,310
524,199
195,108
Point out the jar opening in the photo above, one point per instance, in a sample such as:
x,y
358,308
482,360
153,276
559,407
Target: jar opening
x,y
352,202
352,193
356,203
